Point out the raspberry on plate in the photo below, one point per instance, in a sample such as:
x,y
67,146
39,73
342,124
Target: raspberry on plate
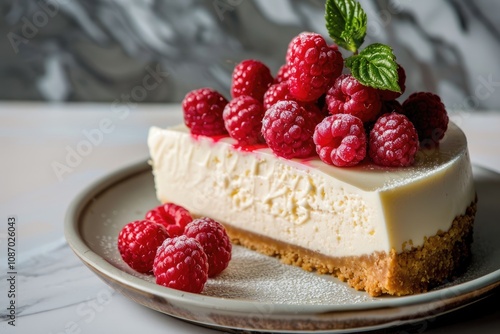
x,y
348,96
313,65
251,77
243,119
203,112
393,141
138,242
172,216
288,130
181,263
428,114
215,242
340,140
387,95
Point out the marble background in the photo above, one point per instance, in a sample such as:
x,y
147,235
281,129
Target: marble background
x,y
102,50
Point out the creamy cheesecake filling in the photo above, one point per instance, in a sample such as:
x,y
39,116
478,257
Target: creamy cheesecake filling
x,y
335,211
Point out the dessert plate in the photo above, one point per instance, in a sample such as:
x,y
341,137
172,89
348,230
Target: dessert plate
x,y
258,293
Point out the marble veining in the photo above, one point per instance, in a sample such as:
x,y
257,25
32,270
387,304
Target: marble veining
x,y
53,280
156,51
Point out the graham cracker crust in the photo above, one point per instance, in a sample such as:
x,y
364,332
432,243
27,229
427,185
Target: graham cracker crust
x,y
440,259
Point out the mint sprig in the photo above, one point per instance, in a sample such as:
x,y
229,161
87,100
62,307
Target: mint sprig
x,y
375,66
346,23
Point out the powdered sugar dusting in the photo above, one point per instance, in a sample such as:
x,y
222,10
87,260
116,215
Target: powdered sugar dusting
x,y
256,277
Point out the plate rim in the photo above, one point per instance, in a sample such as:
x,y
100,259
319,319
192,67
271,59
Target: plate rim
x,y
76,242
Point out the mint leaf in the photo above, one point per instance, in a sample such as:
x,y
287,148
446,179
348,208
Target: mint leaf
x,y
376,67
346,23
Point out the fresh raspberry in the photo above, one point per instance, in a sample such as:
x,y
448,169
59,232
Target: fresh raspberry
x,y
203,112
289,50
340,140
389,106
428,114
280,92
313,66
386,95
137,244
251,77
172,216
288,131
334,47
215,242
181,263
282,75
314,112
393,141
348,96
277,92
243,119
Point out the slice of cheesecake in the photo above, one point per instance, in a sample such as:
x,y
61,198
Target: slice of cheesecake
x,y
391,231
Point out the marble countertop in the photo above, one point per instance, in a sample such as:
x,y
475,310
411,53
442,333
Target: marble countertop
x,y
55,292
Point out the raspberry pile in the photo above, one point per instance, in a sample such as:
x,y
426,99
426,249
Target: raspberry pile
x,y
313,107
181,252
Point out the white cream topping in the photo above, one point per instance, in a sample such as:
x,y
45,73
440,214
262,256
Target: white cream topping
x,y
335,211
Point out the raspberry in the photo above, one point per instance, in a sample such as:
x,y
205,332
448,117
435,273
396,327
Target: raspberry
x,y
348,96
251,77
313,66
275,93
428,114
314,113
289,50
288,131
334,47
243,119
280,92
181,264
137,244
215,242
393,141
283,74
172,216
340,140
389,106
203,112
386,95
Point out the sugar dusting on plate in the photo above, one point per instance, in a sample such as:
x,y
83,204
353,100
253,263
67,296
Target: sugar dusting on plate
x,y
256,277
251,276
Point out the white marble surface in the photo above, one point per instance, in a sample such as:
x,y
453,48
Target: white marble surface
x,y
55,292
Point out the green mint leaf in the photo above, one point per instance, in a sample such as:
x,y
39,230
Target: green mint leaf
x,y
346,23
376,67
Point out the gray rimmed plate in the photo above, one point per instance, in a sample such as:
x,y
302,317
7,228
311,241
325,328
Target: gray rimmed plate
x,y
258,293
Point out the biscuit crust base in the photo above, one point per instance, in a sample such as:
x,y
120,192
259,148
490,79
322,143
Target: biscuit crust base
x,y
441,258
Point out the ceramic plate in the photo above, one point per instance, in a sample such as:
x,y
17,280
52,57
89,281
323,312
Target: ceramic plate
x,y
258,293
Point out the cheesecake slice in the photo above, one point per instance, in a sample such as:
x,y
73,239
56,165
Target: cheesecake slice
x,y
395,231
